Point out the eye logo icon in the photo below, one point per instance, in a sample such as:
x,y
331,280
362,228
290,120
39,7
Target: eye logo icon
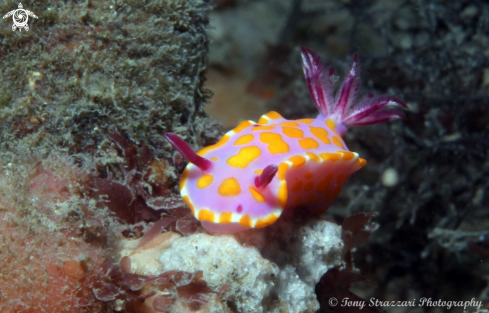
x,y
20,18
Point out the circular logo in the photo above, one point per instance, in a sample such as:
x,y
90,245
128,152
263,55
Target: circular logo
x,y
333,301
20,18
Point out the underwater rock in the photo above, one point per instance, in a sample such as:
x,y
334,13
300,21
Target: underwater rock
x,y
249,281
84,71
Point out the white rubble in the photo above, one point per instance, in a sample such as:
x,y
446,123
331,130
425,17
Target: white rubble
x,y
224,261
266,271
318,249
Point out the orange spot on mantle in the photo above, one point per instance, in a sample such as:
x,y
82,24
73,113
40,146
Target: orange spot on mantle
x,y
256,195
282,194
229,187
292,132
206,215
337,142
297,161
330,156
221,142
347,155
273,115
205,181
244,157
242,125
308,143
330,123
269,220
275,143
245,221
321,134
305,120
225,218
361,162
313,157
282,169
290,124
258,128
244,140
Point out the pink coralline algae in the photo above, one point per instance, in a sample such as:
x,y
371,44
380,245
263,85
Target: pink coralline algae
x,y
158,292
257,170
141,194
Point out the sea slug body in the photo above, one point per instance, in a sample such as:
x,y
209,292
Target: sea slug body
x,y
257,170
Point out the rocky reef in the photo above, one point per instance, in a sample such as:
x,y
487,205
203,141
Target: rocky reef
x,y
82,72
250,271
90,216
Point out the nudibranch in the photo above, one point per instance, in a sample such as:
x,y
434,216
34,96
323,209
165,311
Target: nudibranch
x,y
257,170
